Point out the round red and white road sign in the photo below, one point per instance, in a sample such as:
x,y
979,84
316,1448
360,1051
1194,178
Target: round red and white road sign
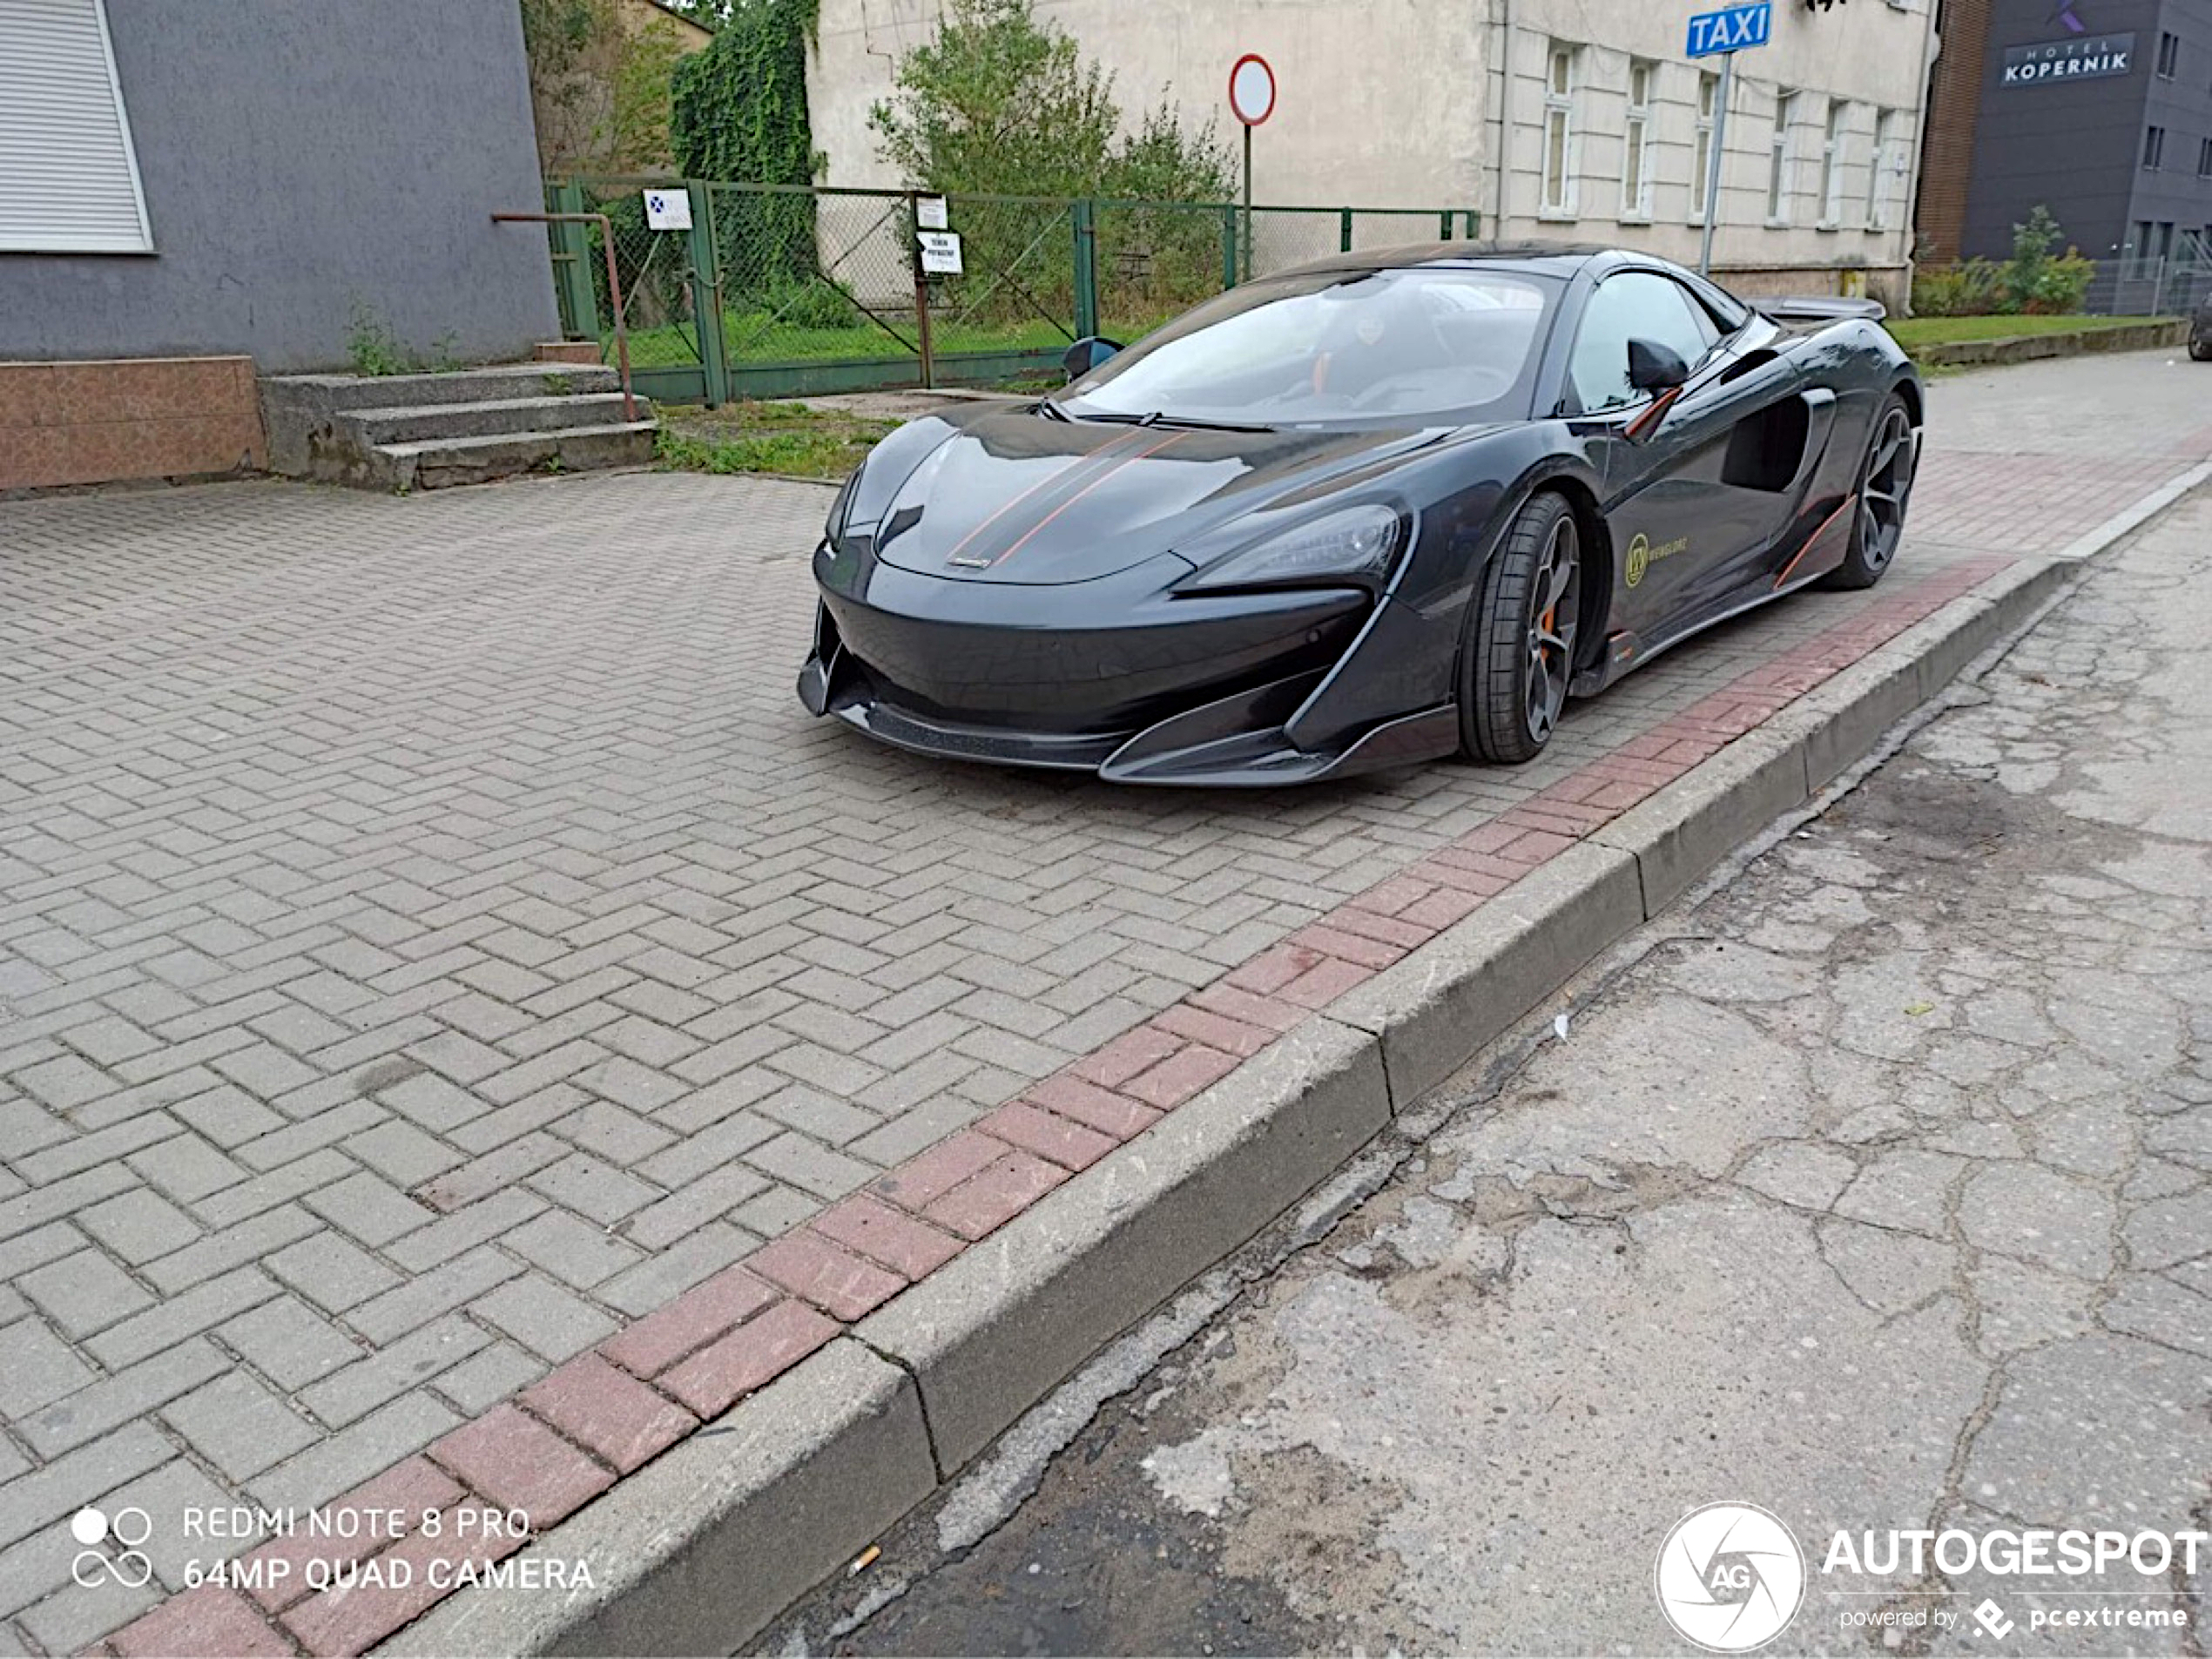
x,y
1251,89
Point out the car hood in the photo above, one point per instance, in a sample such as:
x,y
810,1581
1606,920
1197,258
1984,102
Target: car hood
x,y
1014,497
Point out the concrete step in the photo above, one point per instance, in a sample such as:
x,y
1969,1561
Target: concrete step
x,y
433,464
330,392
309,435
491,416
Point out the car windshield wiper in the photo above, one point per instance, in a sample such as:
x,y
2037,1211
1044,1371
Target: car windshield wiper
x,y
1052,411
1161,417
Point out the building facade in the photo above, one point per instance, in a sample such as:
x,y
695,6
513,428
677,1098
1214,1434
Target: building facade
x,y
1576,119
186,178
2098,109
192,193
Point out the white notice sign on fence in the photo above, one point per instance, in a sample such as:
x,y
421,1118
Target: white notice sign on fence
x,y
940,253
668,210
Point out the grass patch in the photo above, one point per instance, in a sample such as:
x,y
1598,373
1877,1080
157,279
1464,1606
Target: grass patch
x,y
1917,333
782,437
752,337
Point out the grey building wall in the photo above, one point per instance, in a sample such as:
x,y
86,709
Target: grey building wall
x,y
2070,145
301,157
2175,194
2077,146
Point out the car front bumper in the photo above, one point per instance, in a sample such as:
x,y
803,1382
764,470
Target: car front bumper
x,y
1119,676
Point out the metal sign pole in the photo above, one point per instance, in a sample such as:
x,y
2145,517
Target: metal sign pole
x,y
1246,240
1713,162
1252,100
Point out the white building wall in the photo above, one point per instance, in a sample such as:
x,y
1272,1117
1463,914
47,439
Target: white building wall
x,y
1413,103
1870,56
1378,102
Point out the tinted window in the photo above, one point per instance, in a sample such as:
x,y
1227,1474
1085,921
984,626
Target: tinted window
x,y
1632,306
1432,343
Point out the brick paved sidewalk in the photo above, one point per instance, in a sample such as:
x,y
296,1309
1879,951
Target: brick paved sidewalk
x,y
435,947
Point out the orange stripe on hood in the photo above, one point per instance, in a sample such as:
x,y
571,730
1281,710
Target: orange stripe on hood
x,y
1102,452
1123,461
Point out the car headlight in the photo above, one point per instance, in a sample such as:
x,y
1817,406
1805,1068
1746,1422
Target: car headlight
x,y
1358,544
841,507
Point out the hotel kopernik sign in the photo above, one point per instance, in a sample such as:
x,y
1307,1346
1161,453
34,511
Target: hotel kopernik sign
x,y
2084,57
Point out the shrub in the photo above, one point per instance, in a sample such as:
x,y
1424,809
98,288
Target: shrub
x,y
2034,281
2032,242
1973,289
599,90
1002,103
2061,286
816,304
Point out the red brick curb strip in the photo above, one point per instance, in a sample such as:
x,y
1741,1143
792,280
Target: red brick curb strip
x,y
610,1411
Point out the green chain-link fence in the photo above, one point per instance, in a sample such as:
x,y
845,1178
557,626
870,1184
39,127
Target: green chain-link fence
x,y
779,291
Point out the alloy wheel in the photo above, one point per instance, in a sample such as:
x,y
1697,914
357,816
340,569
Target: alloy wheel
x,y
1888,483
1554,617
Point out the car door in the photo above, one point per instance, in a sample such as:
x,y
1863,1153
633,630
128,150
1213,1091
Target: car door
x,y
1681,521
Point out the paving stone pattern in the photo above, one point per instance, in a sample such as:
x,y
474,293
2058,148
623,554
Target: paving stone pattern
x,y
436,949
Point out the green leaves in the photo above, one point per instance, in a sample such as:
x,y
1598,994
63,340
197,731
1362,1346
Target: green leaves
x,y
1002,103
739,106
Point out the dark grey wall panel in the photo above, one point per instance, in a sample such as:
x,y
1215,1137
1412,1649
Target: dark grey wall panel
x,y
298,158
2072,144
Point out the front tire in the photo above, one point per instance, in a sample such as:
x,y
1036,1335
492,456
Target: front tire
x,y
2199,350
1885,491
1518,652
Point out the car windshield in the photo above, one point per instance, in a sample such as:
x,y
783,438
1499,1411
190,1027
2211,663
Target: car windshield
x,y
1431,344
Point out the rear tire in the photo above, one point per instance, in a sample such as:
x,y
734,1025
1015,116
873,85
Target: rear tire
x,y
2200,351
1885,491
1517,652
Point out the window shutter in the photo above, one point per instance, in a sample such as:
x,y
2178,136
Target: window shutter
x,y
68,182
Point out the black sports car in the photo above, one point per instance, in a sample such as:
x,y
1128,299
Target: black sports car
x,y
1374,510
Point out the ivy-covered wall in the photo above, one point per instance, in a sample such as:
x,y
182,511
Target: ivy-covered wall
x,y
739,112
739,108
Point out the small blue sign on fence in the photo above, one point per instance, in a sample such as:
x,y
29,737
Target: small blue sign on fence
x,y
1731,31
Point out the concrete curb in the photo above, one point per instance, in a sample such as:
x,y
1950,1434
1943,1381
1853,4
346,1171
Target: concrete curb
x,y
1006,1321
699,1550
1433,1010
2025,348
709,1541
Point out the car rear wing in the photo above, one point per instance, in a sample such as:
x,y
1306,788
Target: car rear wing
x,y
1822,308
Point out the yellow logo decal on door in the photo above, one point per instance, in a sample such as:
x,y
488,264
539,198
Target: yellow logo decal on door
x,y
1642,554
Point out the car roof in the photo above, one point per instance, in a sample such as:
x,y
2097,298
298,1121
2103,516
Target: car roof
x,y
1555,259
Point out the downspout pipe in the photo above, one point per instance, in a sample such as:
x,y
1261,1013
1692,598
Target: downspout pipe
x,y
1505,119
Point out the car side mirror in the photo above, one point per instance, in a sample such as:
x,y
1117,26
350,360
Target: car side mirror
x,y
1088,354
1653,367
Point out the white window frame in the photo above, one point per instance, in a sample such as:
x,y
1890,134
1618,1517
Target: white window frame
x,y
1781,159
35,240
1636,149
1555,196
1701,154
1882,172
1835,148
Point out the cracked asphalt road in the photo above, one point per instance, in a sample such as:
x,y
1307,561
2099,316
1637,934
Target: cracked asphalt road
x,y
1875,1192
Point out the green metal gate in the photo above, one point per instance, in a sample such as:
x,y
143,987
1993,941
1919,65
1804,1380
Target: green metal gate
x,y
779,291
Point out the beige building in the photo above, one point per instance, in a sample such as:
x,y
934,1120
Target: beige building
x,y
1576,119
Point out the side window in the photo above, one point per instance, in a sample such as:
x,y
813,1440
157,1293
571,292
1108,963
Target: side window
x,y
1635,304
